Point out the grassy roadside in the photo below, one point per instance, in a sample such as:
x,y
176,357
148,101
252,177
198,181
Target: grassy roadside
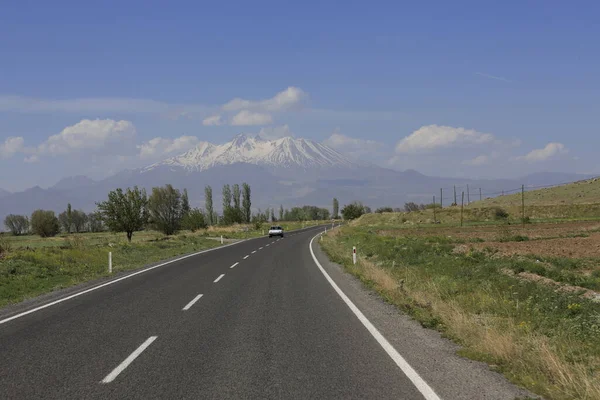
x,y
31,266
34,269
544,340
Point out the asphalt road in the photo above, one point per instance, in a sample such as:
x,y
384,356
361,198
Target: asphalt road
x,y
257,319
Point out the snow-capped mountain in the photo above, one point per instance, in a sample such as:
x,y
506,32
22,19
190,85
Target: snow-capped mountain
x,y
286,152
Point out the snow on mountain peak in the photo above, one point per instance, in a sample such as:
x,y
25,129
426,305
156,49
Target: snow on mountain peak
x,y
286,152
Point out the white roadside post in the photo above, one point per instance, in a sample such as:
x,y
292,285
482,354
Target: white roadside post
x,y
110,262
354,254
221,239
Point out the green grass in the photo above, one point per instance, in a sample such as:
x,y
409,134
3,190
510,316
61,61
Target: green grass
x,y
561,269
539,338
63,262
34,265
577,193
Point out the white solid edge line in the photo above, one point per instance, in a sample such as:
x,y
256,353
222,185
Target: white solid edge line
x,y
234,265
410,373
219,278
246,256
191,303
112,282
115,372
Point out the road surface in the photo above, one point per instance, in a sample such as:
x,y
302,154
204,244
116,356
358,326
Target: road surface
x,y
258,319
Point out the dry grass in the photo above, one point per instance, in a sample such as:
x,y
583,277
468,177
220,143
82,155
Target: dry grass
x,y
545,365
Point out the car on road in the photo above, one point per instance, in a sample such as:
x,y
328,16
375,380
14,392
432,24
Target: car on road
x,y
276,231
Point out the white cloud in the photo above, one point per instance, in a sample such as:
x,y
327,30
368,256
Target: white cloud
x,y
433,137
479,160
11,146
32,159
282,101
213,120
276,132
164,146
245,118
550,151
87,135
354,146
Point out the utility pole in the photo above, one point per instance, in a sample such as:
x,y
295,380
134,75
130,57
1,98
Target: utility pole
x,y
434,206
480,198
441,198
462,207
468,196
523,204
455,203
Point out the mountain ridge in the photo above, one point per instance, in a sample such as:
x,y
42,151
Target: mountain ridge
x,y
286,171
286,152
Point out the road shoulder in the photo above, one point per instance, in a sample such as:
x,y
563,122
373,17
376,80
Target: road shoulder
x,y
431,355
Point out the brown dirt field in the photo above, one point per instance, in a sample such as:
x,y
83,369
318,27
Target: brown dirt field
x,y
579,247
492,233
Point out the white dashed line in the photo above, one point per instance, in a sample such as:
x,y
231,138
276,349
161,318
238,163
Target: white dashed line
x,y
260,248
247,256
219,278
233,266
111,377
253,252
191,303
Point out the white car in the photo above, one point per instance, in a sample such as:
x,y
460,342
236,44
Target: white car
x,y
275,231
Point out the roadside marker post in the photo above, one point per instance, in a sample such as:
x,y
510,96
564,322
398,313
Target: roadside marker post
x,y
221,239
110,262
354,254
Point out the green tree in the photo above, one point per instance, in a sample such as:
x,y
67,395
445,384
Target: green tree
x,y
78,220
246,202
44,223
208,204
17,224
273,219
65,223
69,217
194,220
164,208
236,198
125,212
353,210
185,203
281,212
94,221
382,210
336,208
226,198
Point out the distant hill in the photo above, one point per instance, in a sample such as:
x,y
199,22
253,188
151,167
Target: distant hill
x,y
287,171
4,193
580,192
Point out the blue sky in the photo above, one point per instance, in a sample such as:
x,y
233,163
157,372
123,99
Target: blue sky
x,y
485,89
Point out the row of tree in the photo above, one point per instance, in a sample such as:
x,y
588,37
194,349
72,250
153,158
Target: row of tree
x,y
168,210
46,223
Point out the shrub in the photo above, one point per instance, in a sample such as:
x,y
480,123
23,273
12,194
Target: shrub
x,y
500,213
194,220
44,223
381,210
353,210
